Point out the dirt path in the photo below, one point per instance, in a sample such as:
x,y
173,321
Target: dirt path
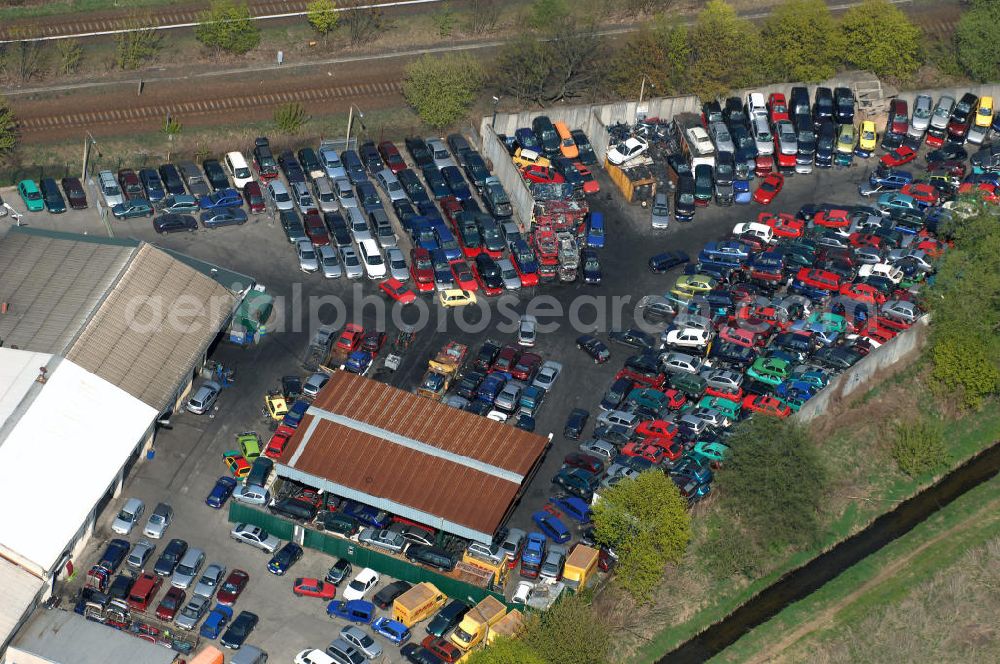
x,y
825,619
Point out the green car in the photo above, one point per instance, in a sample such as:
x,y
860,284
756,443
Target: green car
x,y
648,398
691,385
831,321
250,445
730,409
710,451
134,207
770,370
31,196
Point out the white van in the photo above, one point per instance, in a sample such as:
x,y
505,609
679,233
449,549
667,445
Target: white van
x,y
109,188
237,166
372,259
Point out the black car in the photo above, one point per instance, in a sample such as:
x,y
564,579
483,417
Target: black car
x,y
591,266
593,347
432,556
826,138
291,386
468,384
417,654
448,617
338,572
489,272
291,223
732,354
171,555
310,162
843,105
733,113
616,393
114,554
370,157
172,180
837,357
339,231
239,630
54,201
823,107
215,174
263,159
223,217
583,146
175,223
575,423
667,260
633,337
419,152
291,167
284,558
459,146
384,598
684,205
75,194
953,152
475,169
121,585
546,133
486,356
412,185
153,184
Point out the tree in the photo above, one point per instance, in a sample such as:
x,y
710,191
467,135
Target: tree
x,y
521,70
918,447
290,118
548,15
976,39
171,127
138,45
505,650
363,22
664,53
323,17
805,40
568,633
227,26
881,39
70,55
646,521
24,59
725,51
773,481
483,16
445,20
442,88
8,128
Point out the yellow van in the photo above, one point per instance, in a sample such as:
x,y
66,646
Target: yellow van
x,y
566,143
984,114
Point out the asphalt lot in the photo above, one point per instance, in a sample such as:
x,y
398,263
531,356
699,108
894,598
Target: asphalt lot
x,y
187,459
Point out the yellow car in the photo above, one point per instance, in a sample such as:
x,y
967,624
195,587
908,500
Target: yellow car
x,y
524,157
847,140
984,114
275,406
456,297
692,284
869,137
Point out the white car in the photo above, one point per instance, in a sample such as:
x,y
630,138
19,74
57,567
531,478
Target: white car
x,y
361,584
547,375
307,256
760,231
371,259
527,330
328,262
159,521
699,141
890,272
627,150
497,415
523,592
688,338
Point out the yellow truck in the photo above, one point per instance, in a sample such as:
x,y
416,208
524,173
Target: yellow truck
x,y
498,571
441,371
635,180
580,566
477,622
417,603
510,625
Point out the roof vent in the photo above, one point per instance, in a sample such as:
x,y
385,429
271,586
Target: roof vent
x,y
42,375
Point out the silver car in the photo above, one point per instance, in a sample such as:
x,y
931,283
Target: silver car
x,y
192,613
326,197
345,193
762,135
251,494
509,396
315,383
278,192
491,553
332,164
942,112
352,264
661,210
555,556
397,264
442,157
599,448
128,516
527,329
681,363
306,254
329,262
210,580
509,275
140,553
303,198
382,539
361,641
391,186
788,141
921,116
109,189
159,521
720,134
256,537
547,375
187,569
724,379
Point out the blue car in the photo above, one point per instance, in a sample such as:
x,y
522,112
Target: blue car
x,y
574,507
220,493
153,184
216,621
595,230
355,611
443,276
352,164
447,242
490,388
553,528
422,232
224,198
295,413
284,558
456,183
395,631
115,554
731,252
534,549
525,138
741,192
795,389
436,182
358,362
366,514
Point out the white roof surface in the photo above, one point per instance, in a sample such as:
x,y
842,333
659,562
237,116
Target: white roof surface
x,y
18,589
18,371
71,437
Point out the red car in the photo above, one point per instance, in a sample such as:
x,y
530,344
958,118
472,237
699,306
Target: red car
x,y
232,587
734,396
421,269
590,183
464,278
835,218
130,184
254,197
742,336
315,229
922,193
785,161
769,188
675,398
391,157
987,191
862,293
542,174
588,462
506,359
821,279
526,366
672,451
782,224
350,338
763,165
170,604
397,291
778,107
528,279
442,648
309,587
766,405
451,206
143,590
373,342
858,240
656,429
904,154
652,453
279,439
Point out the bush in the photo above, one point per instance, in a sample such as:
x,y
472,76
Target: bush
x,y
881,39
918,446
290,118
228,27
442,88
976,39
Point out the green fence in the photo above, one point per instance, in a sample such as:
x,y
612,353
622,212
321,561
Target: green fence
x,y
361,556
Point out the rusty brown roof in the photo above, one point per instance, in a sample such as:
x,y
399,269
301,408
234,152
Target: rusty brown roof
x,y
399,449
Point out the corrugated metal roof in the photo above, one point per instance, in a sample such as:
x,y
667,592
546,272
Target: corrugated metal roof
x,y
63,637
19,591
153,326
471,481
52,285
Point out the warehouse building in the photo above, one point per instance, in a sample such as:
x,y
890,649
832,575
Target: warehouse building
x,y
412,457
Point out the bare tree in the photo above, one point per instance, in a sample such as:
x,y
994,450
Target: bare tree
x,y
483,16
25,59
363,23
139,45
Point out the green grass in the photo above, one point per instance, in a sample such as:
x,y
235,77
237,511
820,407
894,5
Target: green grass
x,y
975,508
973,433
59,7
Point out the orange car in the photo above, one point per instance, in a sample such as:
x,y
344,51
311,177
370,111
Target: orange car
x,y
566,143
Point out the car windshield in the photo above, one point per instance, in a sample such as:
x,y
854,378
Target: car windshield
x,y
124,516
724,170
687,198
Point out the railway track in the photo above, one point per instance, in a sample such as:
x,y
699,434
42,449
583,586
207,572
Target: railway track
x,y
181,110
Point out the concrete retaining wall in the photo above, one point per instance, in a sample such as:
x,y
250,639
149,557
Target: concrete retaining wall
x,y
878,362
495,152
